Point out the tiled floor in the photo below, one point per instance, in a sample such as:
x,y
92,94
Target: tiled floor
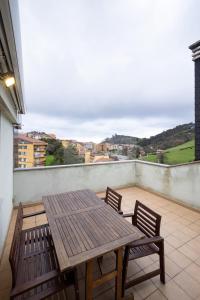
x,y
181,230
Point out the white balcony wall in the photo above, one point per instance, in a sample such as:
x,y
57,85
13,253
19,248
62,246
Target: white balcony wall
x,y
179,183
152,176
6,176
185,184
31,184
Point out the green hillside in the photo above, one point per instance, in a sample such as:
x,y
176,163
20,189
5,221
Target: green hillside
x,y
177,155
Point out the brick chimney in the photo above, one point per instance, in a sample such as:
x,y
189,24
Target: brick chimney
x,y
196,58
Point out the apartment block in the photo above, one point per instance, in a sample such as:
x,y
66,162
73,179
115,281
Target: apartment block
x,y
30,152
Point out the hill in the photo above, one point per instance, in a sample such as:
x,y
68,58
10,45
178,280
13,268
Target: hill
x,y
177,155
164,140
169,138
122,139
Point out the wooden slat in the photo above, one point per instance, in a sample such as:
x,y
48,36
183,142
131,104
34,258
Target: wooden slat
x,y
104,278
113,199
147,220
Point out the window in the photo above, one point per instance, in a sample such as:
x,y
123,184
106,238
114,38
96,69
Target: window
x,y
22,159
22,147
22,166
22,153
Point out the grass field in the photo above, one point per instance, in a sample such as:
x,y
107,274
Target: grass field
x,y
177,155
49,160
150,157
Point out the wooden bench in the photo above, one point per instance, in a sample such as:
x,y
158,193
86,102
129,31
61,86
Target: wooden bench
x,y
34,265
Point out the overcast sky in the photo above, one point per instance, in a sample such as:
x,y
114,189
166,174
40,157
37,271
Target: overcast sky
x,y
93,68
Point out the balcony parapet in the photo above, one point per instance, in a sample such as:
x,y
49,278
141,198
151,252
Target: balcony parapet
x,y
179,183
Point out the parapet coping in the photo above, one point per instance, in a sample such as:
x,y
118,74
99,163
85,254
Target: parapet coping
x,y
104,163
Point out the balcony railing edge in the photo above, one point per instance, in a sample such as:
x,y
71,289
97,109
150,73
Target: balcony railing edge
x,y
74,165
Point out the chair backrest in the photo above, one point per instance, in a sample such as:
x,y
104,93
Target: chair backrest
x,y
113,199
146,220
15,247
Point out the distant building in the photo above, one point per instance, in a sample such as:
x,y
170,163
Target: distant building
x,y
40,135
89,146
102,158
65,143
52,135
80,148
30,152
78,145
103,147
113,147
88,157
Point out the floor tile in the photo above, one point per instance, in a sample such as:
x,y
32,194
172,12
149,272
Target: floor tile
x,y
174,241
180,259
188,284
198,261
145,289
172,269
173,292
194,271
157,295
189,252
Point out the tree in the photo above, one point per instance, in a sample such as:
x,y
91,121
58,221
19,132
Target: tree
x,y
160,157
71,155
56,149
134,153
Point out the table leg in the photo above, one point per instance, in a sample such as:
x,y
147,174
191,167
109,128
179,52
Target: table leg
x,y
89,280
118,280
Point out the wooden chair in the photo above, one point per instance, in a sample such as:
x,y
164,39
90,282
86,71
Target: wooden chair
x,y
34,265
114,199
148,222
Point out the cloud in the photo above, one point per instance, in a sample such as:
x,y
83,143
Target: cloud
x,y
100,61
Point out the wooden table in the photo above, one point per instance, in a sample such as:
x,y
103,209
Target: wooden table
x,y
83,228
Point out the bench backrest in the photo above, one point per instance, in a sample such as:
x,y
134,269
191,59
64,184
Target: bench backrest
x,y
15,247
146,220
113,199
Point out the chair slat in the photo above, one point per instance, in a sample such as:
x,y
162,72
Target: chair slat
x,y
147,218
113,199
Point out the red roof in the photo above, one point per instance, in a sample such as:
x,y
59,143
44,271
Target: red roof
x,y
25,138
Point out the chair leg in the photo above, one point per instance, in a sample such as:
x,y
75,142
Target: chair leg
x,y
162,262
76,285
100,264
124,271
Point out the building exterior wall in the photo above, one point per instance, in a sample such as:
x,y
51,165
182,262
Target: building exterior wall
x,y
197,109
26,154
11,104
39,155
30,154
6,176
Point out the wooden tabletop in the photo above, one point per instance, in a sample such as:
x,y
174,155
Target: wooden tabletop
x,y
84,227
